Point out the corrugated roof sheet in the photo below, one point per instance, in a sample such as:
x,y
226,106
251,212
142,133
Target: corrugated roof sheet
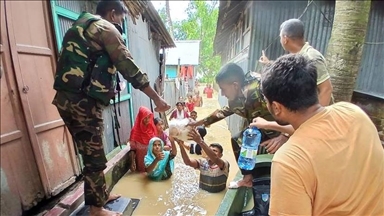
x,y
229,14
188,51
148,12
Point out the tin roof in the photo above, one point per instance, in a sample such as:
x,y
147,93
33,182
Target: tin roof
x,y
148,12
229,14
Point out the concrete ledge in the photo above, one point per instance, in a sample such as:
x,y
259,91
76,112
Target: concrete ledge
x,y
117,166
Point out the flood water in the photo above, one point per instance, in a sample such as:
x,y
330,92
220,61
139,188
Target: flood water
x,y
181,195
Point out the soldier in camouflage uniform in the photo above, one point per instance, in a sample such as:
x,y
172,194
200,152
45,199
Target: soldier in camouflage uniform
x,y
244,99
92,52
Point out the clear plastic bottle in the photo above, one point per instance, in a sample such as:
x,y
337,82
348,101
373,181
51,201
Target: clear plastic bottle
x,y
248,152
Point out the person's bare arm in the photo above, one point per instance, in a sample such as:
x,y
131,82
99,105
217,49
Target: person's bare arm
x,y
324,85
325,92
261,123
174,149
188,161
214,117
151,167
199,141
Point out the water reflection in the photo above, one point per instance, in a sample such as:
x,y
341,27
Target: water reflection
x,y
183,197
179,195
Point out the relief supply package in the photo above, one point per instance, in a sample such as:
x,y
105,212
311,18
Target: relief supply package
x,y
178,129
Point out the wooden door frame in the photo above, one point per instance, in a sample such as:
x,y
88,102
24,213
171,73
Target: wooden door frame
x,y
38,152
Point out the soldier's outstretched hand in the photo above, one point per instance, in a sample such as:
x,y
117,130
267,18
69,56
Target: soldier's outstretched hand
x,y
161,105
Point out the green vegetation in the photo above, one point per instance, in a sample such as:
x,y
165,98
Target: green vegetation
x,y
200,25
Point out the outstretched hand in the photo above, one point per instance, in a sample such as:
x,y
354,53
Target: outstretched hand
x,y
161,105
263,59
180,142
260,123
195,136
193,123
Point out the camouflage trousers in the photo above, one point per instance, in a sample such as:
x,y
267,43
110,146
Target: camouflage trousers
x,y
83,117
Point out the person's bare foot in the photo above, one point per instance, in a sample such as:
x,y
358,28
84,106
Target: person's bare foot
x,y
98,211
244,183
113,197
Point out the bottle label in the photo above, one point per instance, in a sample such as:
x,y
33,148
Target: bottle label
x,y
248,153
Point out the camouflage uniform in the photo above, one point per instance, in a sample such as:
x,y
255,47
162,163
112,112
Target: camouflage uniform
x,y
85,86
249,106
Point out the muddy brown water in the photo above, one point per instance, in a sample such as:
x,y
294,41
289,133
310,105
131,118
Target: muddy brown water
x,y
181,195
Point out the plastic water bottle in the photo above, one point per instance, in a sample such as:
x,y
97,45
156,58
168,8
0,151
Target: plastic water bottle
x,y
248,152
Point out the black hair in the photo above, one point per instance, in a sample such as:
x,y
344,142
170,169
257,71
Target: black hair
x,y
105,6
231,72
202,131
194,112
291,81
293,28
217,145
157,120
180,103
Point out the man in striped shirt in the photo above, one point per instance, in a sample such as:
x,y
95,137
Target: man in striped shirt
x,y
213,170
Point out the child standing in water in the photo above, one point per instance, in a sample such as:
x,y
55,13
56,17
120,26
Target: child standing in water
x,y
159,164
190,104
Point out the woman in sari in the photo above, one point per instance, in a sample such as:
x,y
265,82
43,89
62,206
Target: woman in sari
x,y
159,164
143,130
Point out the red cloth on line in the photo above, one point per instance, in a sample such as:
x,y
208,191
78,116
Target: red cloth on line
x,y
186,72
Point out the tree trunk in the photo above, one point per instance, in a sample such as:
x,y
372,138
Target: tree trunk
x,y
169,20
346,45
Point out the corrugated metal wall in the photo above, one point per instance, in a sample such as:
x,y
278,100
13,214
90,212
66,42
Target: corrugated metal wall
x,y
268,16
318,20
371,76
145,52
75,6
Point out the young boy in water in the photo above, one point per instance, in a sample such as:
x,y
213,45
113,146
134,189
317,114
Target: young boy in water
x,y
213,169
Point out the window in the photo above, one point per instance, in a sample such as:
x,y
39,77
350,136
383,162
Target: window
x,y
238,40
64,14
246,20
246,36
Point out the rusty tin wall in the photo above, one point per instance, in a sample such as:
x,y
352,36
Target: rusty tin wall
x,y
268,16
